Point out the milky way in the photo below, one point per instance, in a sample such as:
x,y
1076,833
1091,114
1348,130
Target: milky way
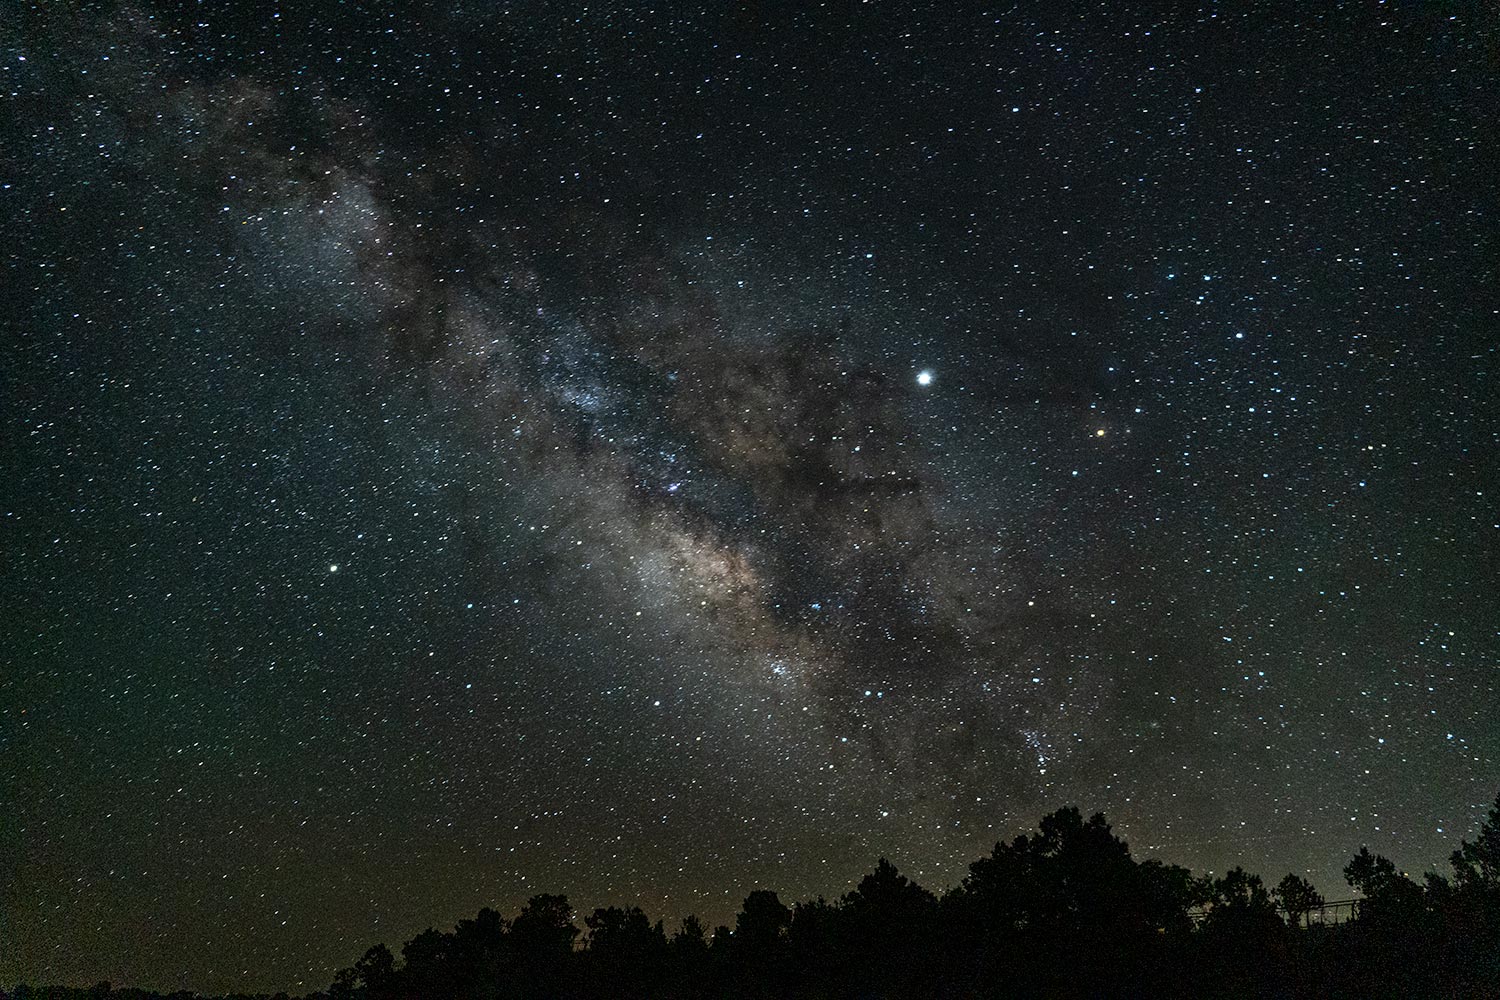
x,y
459,453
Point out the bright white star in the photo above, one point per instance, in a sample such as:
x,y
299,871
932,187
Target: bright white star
x,y
924,377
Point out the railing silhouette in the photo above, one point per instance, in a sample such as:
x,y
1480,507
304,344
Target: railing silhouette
x,y
1338,911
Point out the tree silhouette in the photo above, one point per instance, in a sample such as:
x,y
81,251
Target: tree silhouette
x,y
1476,866
758,948
1468,935
762,924
691,936
1297,897
428,959
688,965
543,930
1393,939
1389,894
1244,944
820,946
480,953
1068,904
616,932
889,896
885,926
626,952
1064,912
375,972
1237,891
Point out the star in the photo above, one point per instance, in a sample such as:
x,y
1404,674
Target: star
x,y
924,377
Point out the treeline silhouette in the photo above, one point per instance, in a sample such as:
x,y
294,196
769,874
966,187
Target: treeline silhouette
x,y
1064,912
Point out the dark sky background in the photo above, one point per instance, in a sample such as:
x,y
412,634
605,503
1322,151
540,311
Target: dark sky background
x,y
459,450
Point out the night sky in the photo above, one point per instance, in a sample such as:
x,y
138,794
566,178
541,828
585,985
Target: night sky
x,y
459,450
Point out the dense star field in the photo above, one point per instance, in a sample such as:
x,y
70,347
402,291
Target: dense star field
x,y
454,451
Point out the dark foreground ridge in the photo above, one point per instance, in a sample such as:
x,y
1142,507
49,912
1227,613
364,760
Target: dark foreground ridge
x,y
1065,912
